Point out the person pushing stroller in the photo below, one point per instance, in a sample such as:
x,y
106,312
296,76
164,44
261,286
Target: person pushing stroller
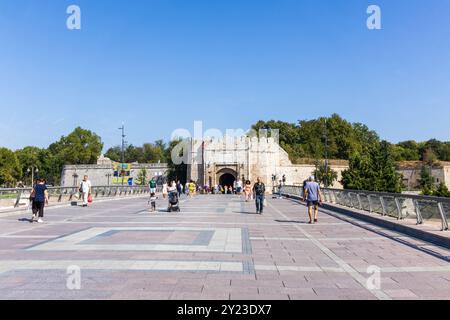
x,y
173,198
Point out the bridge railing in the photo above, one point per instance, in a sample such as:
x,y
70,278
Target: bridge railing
x,y
19,197
396,205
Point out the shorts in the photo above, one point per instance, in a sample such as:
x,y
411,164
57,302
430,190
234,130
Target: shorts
x,y
152,190
312,203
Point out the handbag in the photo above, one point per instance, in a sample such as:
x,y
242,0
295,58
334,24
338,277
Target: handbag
x,y
90,200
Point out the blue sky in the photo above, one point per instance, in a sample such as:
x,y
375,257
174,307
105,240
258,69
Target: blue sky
x,y
158,65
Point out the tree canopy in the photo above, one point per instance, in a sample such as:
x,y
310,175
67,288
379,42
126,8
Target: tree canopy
x,y
307,139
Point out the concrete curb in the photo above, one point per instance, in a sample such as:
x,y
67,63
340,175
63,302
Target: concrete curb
x,y
436,239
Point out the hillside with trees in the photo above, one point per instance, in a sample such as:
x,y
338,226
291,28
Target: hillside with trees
x,y
371,160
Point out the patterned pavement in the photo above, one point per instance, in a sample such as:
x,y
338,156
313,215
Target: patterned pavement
x,y
216,248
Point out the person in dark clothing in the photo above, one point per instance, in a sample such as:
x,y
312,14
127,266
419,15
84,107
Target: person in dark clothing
x,y
179,188
39,197
259,189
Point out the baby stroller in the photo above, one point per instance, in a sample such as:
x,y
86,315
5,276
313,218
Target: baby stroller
x,y
173,202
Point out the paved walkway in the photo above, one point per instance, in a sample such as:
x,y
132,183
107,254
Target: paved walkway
x,y
216,248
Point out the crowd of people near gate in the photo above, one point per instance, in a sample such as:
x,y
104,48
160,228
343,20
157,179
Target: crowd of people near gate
x,y
312,194
173,190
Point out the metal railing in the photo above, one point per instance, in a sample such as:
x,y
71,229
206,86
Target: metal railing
x,y
17,197
397,205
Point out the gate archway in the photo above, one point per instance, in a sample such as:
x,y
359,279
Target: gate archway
x,y
226,177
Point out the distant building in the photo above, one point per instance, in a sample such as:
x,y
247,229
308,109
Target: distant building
x,y
411,171
223,161
107,172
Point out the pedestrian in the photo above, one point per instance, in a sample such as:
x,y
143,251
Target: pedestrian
x,y
313,196
172,187
179,188
192,188
239,187
153,202
248,190
152,185
85,190
259,189
39,196
304,190
186,188
165,189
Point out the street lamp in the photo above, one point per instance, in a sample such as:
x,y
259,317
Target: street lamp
x,y
326,154
33,170
122,157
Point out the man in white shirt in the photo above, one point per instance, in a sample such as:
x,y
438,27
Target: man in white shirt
x,y
239,186
85,189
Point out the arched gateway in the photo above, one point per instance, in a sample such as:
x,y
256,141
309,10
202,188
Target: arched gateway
x,y
226,177
224,160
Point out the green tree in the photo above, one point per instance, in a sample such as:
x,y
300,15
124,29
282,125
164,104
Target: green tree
x,y
142,177
442,191
427,181
10,170
308,138
114,153
359,174
408,151
324,174
29,158
386,178
373,170
177,171
79,147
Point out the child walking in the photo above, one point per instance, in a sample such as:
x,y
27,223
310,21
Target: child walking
x,y
153,202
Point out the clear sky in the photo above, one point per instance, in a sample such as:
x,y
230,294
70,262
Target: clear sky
x,y
158,65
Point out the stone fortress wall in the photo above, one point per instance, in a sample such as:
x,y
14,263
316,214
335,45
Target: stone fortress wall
x,y
101,174
411,171
246,158
249,158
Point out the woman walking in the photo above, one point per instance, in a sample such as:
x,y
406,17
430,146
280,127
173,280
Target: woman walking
x,y
40,198
165,190
248,190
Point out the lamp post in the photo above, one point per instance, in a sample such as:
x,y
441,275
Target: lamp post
x,y
32,169
122,159
326,154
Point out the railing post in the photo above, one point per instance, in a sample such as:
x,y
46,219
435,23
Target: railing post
x,y
443,216
399,208
351,200
359,201
418,212
370,203
383,206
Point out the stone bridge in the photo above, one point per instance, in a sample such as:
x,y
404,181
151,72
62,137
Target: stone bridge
x,y
216,248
